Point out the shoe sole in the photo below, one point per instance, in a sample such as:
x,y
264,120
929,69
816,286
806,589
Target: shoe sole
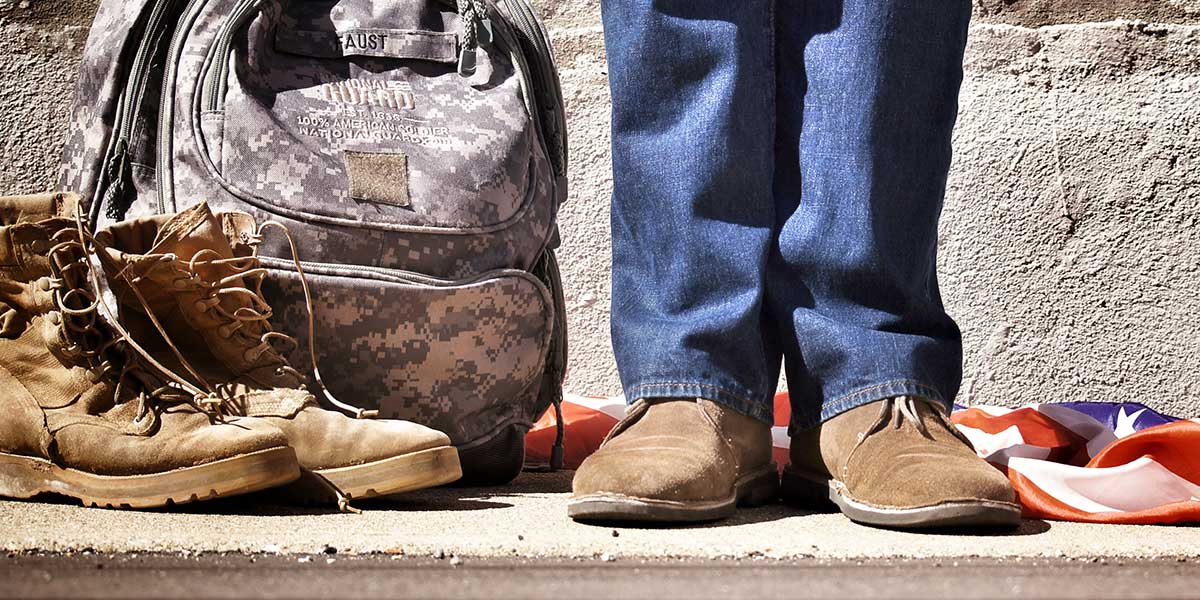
x,y
820,493
755,489
396,475
25,477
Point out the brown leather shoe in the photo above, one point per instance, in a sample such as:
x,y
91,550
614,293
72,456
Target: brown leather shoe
x,y
898,463
676,460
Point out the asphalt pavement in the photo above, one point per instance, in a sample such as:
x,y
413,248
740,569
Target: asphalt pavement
x,y
381,576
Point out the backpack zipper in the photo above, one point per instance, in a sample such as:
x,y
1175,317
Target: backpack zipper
x,y
545,81
216,81
166,108
398,276
529,90
477,30
117,165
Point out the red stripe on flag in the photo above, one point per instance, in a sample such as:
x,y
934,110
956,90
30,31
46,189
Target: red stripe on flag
x,y
1175,446
586,428
1036,429
1036,503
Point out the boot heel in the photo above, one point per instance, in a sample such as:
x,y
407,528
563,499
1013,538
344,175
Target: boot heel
x,y
23,476
761,489
806,492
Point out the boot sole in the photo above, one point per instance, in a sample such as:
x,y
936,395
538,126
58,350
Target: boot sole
x,y
755,489
396,475
821,493
26,477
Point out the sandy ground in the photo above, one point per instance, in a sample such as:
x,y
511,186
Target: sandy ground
x,y
528,519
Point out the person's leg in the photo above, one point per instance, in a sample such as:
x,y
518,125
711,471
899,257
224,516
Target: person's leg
x,y
867,102
692,211
692,218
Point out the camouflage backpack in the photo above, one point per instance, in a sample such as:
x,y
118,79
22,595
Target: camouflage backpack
x,y
416,150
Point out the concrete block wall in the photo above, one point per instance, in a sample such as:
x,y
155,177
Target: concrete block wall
x,y
1070,242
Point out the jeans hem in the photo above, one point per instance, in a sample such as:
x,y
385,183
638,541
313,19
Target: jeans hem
x,y
763,411
866,395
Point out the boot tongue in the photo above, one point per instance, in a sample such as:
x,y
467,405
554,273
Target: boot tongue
x,y
191,231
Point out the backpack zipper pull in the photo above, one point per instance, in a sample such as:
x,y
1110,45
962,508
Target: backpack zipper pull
x,y
466,62
117,171
558,450
484,32
477,29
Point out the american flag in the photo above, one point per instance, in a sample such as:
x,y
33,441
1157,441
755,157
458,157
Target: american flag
x,y
1090,462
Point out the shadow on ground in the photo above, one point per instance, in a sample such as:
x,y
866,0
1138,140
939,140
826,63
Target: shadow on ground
x,y
308,498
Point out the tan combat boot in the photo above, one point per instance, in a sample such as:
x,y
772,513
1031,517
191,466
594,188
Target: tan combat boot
x,y
196,274
676,460
898,463
84,414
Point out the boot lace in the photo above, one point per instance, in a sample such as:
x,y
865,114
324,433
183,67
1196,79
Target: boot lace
x,y
98,342
250,317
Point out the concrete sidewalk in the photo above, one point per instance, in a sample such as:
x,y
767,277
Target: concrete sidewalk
x,y
528,519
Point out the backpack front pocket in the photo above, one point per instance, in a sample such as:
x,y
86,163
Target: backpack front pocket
x,y
351,111
464,357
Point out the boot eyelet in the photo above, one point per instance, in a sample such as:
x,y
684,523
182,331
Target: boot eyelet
x,y
54,317
225,331
201,306
94,376
45,284
246,356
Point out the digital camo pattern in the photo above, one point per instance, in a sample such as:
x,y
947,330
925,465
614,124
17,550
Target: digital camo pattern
x,y
112,42
338,15
290,119
444,252
443,256
483,192
465,359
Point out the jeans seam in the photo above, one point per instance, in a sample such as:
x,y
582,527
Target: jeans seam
x,y
772,68
745,404
707,386
772,61
868,390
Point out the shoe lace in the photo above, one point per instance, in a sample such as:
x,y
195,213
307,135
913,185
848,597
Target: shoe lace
x,y
98,342
235,324
248,324
906,409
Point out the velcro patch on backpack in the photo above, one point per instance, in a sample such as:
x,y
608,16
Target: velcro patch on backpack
x,y
434,46
378,177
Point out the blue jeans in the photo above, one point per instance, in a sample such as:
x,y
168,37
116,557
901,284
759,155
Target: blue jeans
x,y
779,169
